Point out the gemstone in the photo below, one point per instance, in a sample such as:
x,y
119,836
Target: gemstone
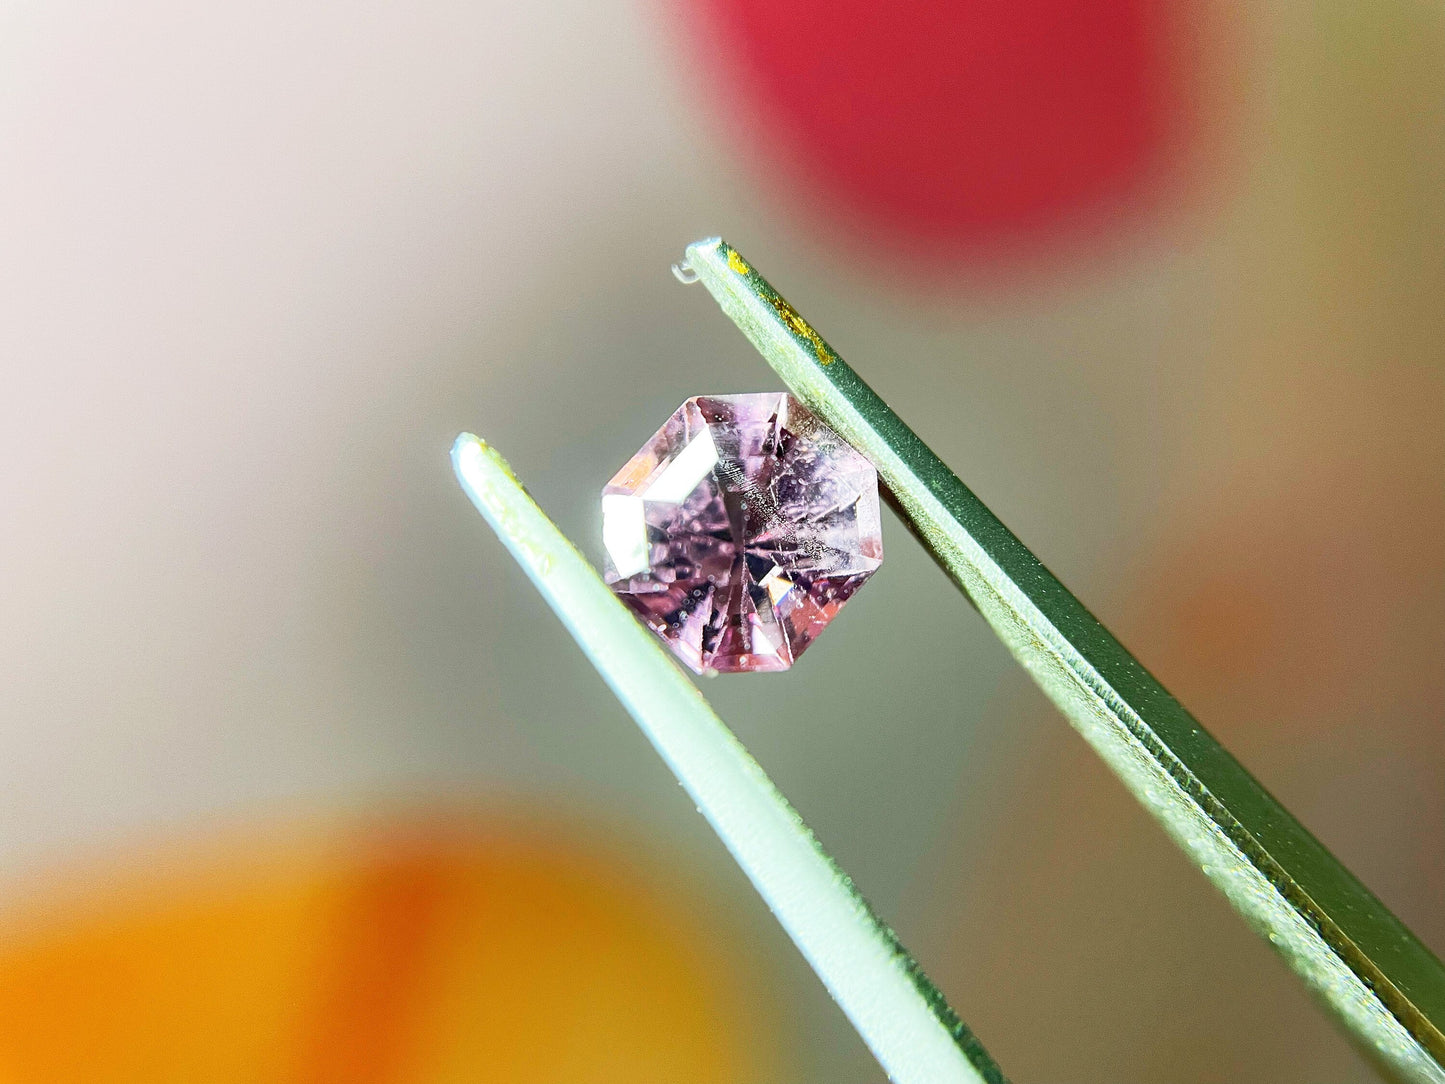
x,y
740,529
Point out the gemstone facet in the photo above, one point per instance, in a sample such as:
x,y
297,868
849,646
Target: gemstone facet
x,y
740,529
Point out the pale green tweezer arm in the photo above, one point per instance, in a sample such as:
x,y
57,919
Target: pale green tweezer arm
x,y
1378,979
899,1014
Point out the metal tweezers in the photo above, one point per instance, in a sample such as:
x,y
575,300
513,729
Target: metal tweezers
x,y
1383,985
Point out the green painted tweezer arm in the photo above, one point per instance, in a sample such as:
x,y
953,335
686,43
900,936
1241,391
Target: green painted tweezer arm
x,y
899,1014
1382,983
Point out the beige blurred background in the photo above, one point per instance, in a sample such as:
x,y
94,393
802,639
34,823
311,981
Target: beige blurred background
x,y
260,264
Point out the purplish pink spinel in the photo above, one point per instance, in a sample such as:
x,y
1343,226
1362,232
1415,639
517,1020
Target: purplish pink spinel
x,y
740,529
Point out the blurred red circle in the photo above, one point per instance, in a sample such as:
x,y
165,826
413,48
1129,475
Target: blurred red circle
x,y
948,126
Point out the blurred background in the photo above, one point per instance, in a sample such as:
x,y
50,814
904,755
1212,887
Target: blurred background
x,y
299,780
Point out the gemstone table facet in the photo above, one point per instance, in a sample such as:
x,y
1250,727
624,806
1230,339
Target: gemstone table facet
x,y
740,529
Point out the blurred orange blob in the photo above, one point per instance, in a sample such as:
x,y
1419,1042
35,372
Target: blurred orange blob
x,y
504,952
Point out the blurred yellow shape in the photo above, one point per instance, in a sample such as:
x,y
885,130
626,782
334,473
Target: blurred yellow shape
x,y
202,985
500,951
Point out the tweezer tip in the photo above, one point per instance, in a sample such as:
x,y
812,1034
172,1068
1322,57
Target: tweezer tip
x,y
465,441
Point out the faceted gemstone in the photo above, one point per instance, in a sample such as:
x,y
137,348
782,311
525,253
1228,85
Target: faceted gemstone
x,y
740,529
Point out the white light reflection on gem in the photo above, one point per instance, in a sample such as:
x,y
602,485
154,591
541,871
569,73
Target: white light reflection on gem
x,y
624,533
689,467
776,584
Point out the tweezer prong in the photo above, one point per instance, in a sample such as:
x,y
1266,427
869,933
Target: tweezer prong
x,y
1384,985
897,1011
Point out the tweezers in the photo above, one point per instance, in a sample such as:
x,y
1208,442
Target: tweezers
x,y
1384,986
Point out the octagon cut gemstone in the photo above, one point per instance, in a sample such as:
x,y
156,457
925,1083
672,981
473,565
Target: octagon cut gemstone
x,y
740,529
